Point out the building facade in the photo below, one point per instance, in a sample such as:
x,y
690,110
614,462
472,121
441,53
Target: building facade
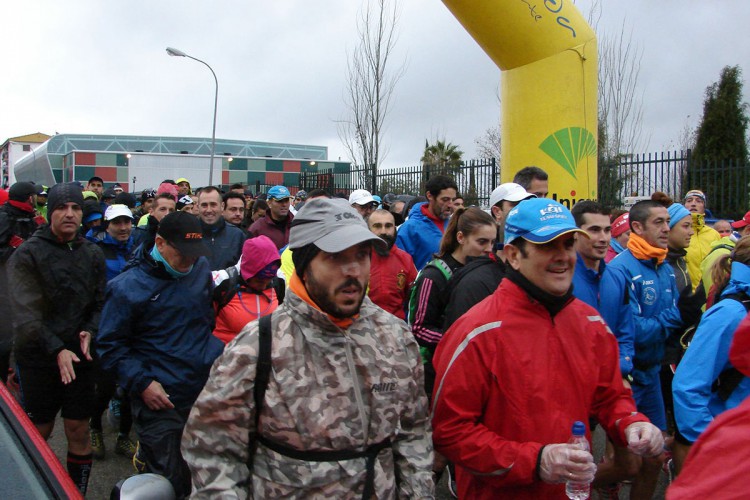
x,y
138,163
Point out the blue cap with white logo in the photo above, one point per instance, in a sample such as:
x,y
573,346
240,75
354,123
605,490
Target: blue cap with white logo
x,y
279,193
539,220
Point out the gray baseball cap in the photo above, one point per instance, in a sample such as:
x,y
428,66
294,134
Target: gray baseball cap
x,y
332,224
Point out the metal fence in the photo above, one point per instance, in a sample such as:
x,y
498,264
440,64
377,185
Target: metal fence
x,y
475,179
725,183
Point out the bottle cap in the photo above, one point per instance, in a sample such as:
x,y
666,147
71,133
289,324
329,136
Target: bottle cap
x,y
579,428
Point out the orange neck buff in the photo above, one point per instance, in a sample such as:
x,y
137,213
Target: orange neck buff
x,y
296,285
643,251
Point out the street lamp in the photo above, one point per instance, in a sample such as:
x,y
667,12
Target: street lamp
x,y
178,53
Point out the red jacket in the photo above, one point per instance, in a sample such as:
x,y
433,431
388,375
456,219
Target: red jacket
x,y
390,280
510,380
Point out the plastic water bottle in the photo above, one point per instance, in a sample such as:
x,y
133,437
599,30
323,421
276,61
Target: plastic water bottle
x,y
575,490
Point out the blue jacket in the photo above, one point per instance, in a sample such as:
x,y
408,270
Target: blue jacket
x,y
587,284
156,327
116,254
419,236
653,302
695,405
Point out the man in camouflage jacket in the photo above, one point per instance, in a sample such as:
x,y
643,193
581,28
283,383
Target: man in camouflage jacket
x,y
346,377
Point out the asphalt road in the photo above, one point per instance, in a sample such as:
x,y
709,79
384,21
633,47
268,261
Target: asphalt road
x,y
112,468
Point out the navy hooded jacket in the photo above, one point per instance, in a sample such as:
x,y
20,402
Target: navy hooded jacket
x,y
157,327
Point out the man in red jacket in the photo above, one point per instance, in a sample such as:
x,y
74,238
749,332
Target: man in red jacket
x,y
392,270
519,368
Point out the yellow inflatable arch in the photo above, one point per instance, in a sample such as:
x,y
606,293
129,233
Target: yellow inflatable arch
x,y
548,56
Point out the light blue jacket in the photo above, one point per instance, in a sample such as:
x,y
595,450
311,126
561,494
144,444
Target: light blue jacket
x,y
653,302
695,405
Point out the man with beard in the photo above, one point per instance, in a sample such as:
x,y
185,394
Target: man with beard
x,y
342,410
392,270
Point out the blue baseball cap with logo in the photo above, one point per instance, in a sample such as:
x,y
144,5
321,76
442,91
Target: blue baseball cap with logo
x,y
279,193
539,220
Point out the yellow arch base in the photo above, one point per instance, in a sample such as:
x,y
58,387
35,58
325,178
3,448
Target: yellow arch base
x,y
548,56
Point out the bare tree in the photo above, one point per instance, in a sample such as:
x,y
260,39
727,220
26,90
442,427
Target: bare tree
x,y
370,85
488,145
620,103
620,100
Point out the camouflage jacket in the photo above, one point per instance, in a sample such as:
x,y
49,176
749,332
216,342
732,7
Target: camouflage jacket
x,y
330,389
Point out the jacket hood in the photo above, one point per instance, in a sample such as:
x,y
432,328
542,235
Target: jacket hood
x,y
257,253
416,210
740,280
726,240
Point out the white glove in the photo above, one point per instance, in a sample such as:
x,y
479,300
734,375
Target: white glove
x,y
219,276
566,462
644,439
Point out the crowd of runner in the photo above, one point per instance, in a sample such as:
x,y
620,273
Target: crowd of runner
x,y
402,336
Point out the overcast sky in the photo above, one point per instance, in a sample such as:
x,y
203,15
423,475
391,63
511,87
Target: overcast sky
x,y
100,67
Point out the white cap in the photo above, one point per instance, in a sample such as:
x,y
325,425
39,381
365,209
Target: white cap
x,y
510,191
115,211
361,197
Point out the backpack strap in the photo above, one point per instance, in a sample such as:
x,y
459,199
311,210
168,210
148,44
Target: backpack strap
x,y
725,246
438,264
730,378
262,376
227,289
279,286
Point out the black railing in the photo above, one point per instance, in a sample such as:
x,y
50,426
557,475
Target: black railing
x,y
725,183
475,179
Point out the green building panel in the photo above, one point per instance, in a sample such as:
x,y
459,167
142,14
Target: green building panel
x,y
84,172
58,173
122,174
237,164
339,168
106,159
122,160
291,179
256,165
274,166
253,177
237,176
56,162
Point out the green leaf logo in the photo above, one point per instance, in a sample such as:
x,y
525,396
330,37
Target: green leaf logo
x,y
568,146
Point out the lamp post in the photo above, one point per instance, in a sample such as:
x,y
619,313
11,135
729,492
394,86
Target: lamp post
x,y
178,53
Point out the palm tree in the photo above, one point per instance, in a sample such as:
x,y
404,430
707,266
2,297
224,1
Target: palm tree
x,y
442,156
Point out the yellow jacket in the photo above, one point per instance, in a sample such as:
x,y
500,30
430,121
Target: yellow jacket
x,y
700,246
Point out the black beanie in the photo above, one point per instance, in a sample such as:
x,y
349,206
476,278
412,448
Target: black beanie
x,y
302,256
60,194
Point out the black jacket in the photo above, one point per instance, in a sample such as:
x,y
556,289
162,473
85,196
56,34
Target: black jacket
x,y
57,292
474,282
15,225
